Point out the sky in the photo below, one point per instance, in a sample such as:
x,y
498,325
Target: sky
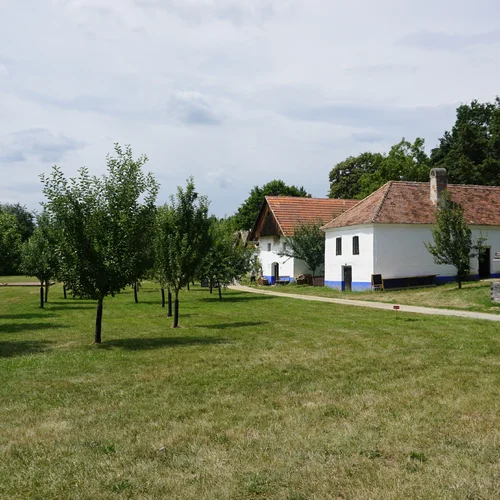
x,y
233,92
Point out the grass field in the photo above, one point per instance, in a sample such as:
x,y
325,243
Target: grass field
x,y
474,296
254,397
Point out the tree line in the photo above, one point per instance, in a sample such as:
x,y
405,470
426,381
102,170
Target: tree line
x,y
98,235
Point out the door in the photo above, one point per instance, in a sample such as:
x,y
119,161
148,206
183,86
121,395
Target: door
x,y
484,264
347,278
276,272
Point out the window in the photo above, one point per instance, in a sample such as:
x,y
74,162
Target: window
x,y
338,248
269,247
355,245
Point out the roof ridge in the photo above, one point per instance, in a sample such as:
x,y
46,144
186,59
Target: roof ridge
x,y
381,203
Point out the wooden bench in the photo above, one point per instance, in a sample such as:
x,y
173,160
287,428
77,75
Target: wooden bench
x,y
283,280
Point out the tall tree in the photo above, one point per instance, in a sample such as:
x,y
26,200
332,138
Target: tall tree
x,y
181,241
39,255
247,213
453,242
357,177
106,224
10,244
307,244
470,152
25,219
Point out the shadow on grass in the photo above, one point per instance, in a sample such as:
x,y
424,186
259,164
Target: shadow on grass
x,y
236,324
69,307
27,327
27,316
21,348
136,344
232,298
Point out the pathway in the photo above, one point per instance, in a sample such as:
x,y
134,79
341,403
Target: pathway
x,y
374,305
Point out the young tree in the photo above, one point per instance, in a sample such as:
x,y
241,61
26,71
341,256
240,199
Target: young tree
x,y
453,243
39,255
307,244
181,241
246,214
10,244
106,226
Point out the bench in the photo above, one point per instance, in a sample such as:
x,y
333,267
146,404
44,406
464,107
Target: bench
x,y
283,280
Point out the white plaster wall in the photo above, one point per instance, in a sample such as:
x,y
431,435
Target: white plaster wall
x,y
286,265
362,264
399,251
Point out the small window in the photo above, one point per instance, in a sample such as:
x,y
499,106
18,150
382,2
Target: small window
x,y
269,247
355,245
338,248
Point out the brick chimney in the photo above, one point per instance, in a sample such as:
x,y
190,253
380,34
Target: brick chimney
x,y
438,183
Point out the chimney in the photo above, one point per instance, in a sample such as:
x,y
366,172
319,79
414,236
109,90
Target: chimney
x,y
438,183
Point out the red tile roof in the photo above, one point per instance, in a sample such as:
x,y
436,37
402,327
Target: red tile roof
x,y
290,211
399,202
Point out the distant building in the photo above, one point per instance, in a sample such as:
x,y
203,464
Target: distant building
x,y
278,217
384,234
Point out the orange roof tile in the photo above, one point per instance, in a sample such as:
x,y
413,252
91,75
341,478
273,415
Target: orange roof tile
x,y
400,202
290,211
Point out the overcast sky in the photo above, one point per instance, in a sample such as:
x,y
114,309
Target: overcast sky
x,y
233,92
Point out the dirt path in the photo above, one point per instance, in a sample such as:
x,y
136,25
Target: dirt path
x,y
374,305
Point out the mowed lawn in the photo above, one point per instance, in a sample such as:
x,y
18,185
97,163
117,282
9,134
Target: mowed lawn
x,y
254,397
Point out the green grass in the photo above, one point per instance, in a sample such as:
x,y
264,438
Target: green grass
x,y
474,296
18,279
254,397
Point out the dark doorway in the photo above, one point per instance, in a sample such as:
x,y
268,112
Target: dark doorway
x,y
484,264
347,278
276,272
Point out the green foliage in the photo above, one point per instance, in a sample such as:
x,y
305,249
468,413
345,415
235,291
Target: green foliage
x,y
105,225
247,213
39,254
453,243
471,151
357,177
307,244
225,260
182,239
10,244
24,218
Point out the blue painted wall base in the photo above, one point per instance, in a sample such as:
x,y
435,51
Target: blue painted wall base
x,y
357,286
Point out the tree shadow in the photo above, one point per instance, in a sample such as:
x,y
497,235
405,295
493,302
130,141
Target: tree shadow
x,y
27,327
28,316
231,298
10,349
73,300
136,344
236,324
69,307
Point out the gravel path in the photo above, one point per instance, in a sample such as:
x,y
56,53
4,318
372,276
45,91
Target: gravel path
x,y
374,305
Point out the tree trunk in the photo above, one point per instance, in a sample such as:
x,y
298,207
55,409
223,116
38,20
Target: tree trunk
x,y
64,290
176,310
98,321
169,297
220,292
135,293
188,286
41,294
459,283
211,286
46,290
163,297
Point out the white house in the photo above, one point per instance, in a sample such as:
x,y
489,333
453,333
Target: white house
x,y
384,234
278,217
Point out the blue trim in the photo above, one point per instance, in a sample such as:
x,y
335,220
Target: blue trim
x,y
441,280
357,286
495,275
272,281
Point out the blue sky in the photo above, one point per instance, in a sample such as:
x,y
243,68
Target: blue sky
x,y
235,93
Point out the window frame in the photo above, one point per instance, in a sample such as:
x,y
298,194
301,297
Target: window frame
x,y
338,245
355,245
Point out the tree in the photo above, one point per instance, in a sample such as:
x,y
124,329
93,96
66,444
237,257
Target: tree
x,y
307,244
181,241
453,243
10,244
226,259
39,255
106,225
357,177
471,151
24,218
247,213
